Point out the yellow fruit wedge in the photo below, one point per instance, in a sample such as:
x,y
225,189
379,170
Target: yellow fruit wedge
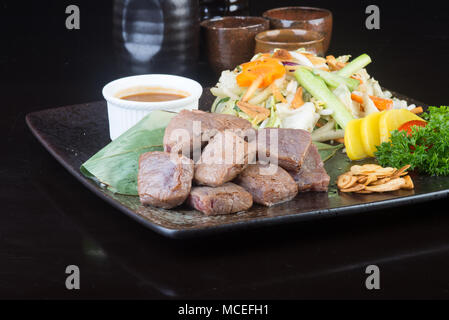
x,y
369,131
392,120
353,141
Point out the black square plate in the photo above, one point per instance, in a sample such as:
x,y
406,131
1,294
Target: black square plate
x,y
73,134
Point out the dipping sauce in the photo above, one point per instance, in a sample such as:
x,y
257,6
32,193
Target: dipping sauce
x,y
152,94
153,97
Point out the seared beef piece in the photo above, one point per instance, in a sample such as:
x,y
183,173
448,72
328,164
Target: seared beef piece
x,y
292,146
228,198
224,157
312,176
211,123
268,184
164,180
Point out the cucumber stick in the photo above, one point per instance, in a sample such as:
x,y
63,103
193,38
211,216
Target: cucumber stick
x,y
354,66
319,90
334,80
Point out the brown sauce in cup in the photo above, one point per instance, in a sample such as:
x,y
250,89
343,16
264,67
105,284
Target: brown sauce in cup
x,y
151,94
153,97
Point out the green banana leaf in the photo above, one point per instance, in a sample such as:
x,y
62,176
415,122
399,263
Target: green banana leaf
x,y
116,165
327,151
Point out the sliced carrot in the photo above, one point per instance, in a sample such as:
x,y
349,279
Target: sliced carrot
x,y
417,110
271,69
255,112
297,100
340,140
381,103
277,94
252,88
357,98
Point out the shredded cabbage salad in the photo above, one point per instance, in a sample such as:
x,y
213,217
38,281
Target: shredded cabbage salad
x,y
316,94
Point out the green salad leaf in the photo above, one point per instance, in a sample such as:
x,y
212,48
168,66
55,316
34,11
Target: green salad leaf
x,y
426,149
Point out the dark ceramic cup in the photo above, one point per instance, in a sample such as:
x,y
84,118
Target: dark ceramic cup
x,y
230,40
306,18
290,39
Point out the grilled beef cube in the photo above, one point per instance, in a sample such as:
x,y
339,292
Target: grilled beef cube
x,y
268,184
225,156
292,146
199,125
164,180
312,176
226,199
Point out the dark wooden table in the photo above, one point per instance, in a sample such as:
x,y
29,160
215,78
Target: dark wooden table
x,y
49,220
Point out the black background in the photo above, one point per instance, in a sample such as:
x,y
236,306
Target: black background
x,y
48,220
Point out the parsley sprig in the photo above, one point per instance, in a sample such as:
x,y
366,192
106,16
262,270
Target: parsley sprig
x,y
426,150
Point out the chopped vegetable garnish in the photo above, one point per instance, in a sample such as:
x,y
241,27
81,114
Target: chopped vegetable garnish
x,y
357,98
255,112
297,100
270,69
320,91
277,94
314,59
355,65
333,64
299,90
252,88
357,77
380,103
334,80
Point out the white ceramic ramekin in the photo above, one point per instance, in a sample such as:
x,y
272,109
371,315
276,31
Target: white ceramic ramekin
x,y
123,114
